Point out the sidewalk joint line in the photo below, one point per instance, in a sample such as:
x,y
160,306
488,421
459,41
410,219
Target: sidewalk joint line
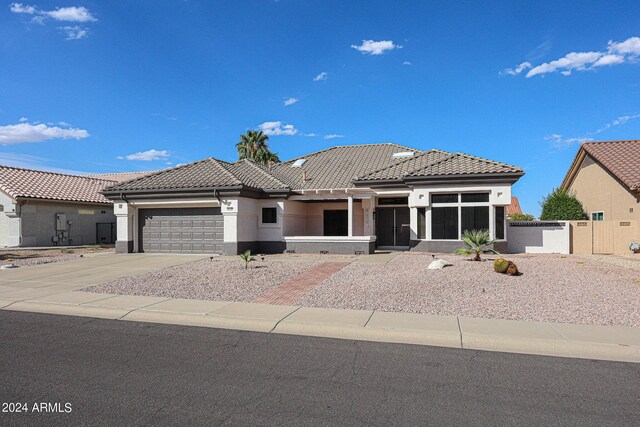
x,y
558,332
367,322
460,332
278,322
140,308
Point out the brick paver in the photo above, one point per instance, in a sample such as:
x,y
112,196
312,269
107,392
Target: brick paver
x,y
290,291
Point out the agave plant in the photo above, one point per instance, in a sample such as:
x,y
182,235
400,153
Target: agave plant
x,y
477,242
247,258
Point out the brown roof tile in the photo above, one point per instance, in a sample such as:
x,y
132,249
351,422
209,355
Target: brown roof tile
x,y
120,176
621,158
464,164
33,184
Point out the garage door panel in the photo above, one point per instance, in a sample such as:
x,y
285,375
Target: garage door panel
x,y
186,230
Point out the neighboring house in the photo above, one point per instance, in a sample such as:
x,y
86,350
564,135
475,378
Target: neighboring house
x,y
346,199
513,208
605,177
39,208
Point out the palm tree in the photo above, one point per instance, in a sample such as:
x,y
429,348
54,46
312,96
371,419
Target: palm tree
x,y
477,242
254,145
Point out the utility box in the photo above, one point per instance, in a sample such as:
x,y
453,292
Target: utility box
x,y
61,222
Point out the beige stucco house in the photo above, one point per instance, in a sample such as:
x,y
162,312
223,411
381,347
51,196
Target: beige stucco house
x,y
605,176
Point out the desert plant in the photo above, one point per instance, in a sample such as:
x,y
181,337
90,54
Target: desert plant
x,y
561,205
521,217
254,145
512,270
500,265
477,242
247,258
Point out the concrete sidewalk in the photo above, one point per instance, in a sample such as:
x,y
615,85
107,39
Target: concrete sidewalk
x,y
614,343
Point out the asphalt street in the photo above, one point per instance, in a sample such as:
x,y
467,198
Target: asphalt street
x,y
104,372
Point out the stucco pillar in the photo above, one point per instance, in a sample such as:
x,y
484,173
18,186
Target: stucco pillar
x,y
125,217
367,207
350,215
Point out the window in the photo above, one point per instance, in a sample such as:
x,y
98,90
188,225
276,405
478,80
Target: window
x,y
475,218
475,197
422,223
269,216
597,216
393,201
444,198
444,223
336,222
499,222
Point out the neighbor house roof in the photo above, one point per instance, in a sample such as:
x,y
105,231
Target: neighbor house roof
x,y
33,184
620,158
119,176
333,168
514,207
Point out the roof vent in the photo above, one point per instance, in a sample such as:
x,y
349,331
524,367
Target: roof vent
x,y
403,154
298,163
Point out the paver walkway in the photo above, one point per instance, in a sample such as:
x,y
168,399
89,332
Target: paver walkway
x,y
289,292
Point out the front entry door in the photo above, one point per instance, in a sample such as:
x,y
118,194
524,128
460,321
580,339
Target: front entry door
x,y
392,226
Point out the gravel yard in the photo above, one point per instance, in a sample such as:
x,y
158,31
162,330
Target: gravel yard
x,y
208,280
24,257
565,289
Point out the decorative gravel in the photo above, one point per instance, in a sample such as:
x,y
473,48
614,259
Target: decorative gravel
x,y
208,280
25,258
566,289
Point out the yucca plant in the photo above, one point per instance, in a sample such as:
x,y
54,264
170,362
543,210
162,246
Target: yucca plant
x,y
247,258
477,241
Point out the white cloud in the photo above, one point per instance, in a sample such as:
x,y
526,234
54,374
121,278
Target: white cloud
x,y
75,32
72,14
20,8
310,134
333,136
621,120
277,128
321,76
559,141
37,132
516,70
24,119
290,101
147,156
371,47
407,63
616,53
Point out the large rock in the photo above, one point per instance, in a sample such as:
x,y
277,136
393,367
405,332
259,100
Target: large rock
x,y
438,264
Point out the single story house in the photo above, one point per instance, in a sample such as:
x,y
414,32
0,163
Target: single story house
x,y
39,208
344,199
605,177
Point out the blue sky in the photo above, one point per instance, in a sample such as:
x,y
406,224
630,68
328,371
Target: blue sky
x,y
140,85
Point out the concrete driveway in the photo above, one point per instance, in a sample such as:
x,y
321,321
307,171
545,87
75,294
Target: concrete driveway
x,y
90,270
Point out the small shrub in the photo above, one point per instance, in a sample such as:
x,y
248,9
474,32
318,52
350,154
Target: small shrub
x,y
500,265
477,242
247,258
561,205
521,217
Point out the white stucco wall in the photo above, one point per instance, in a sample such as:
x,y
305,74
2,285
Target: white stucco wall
x,y
539,238
9,222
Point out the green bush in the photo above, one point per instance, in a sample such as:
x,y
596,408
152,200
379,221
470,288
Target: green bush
x,y
521,217
561,205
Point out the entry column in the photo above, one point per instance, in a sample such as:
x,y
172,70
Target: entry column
x,y
350,215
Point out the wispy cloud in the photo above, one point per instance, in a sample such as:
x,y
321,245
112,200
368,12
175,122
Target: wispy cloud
x,y
616,53
407,63
277,128
333,136
37,132
147,156
290,101
370,47
309,134
28,161
559,141
322,76
72,14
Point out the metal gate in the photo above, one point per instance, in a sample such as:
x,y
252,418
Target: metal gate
x,y
602,237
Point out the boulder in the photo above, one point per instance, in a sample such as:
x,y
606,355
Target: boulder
x,y
438,264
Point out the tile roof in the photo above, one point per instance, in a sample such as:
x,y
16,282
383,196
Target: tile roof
x,y
207,173
255,175
514,207
440,163
621,158
337,167
119,176
33,184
